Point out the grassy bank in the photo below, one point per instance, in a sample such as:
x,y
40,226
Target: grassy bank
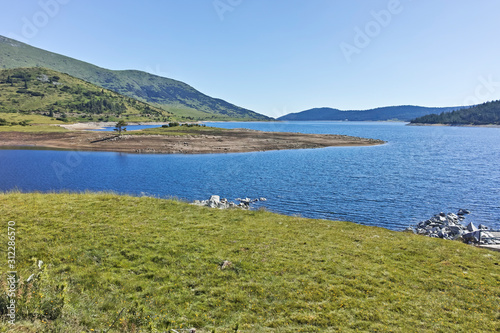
x,y
180,130
159,261
33,129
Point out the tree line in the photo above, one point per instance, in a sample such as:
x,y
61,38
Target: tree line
x,y
483,114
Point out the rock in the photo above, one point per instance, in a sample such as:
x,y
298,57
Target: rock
x,y
472,236
222,205
448,226
262,199
471,227
463,212
456,230
225,264
409,229
216,202
215,199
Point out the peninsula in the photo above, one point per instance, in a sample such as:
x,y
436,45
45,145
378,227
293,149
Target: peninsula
x,y
178,140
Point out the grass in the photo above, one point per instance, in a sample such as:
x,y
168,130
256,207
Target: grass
x,y
33,129
31,118
179,130
37,123
159,261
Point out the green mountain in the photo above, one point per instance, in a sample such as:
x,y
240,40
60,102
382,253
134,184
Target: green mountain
x,y
401,113
170,95
46,92
482,114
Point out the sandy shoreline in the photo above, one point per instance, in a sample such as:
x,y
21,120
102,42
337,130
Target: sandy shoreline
x,y
216,141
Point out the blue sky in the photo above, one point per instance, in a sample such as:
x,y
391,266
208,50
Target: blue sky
x,y
282,56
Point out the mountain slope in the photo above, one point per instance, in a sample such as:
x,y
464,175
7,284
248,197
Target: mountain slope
x,y
483,114
171,95
42,91
401,113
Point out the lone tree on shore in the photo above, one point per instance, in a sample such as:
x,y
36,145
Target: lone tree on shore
x,y
120,126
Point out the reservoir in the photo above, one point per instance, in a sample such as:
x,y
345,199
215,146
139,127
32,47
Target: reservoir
x,y
422,170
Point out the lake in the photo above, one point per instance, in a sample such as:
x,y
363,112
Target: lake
x,y
421,171
128,127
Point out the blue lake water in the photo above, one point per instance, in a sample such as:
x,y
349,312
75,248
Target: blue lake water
x,y
419,172
129,128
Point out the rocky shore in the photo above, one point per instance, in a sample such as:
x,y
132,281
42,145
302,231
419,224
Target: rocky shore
x,y
450,226
215,201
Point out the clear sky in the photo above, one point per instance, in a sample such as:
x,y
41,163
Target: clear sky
x,y
282,56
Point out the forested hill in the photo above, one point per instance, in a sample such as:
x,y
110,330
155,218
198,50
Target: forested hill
x,y
46,92
400,113
171,95
482,114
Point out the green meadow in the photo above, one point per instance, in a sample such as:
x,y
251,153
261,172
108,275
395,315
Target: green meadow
x,y
115,263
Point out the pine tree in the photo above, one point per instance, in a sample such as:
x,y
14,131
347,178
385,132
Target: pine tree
x,y
120,126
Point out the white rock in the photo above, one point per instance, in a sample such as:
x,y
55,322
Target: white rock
x,y
215,199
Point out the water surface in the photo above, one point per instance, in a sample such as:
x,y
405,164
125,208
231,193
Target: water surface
x,y
419,172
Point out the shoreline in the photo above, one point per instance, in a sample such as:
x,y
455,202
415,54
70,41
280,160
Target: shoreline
x,y
182,142
95,125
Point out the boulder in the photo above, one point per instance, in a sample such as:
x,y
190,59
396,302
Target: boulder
x,y
222,205
471,227
215,199
463,212
456,230
472,236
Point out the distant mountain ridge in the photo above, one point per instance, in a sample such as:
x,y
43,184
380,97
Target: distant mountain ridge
x,y
173,96
399,113
482,114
